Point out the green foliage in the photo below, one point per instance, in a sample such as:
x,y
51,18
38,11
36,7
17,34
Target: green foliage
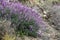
x,y
14,18
24,27
22,0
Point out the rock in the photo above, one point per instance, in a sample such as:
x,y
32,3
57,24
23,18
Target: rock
x,y
55,17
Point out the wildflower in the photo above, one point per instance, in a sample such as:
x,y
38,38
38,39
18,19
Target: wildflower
x,y
24,16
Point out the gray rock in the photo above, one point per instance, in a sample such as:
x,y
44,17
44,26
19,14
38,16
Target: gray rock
x,y
55,16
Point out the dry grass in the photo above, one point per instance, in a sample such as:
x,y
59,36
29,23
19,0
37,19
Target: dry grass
x,y
8,37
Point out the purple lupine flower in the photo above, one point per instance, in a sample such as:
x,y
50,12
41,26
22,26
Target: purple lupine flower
x,y
31,28
18,8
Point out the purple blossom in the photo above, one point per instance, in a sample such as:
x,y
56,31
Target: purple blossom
x,y
17,8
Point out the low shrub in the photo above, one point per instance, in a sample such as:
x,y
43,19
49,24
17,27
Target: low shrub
x,y
26,20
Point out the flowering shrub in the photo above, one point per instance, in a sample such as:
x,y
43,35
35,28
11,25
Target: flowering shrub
x,y
26,20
